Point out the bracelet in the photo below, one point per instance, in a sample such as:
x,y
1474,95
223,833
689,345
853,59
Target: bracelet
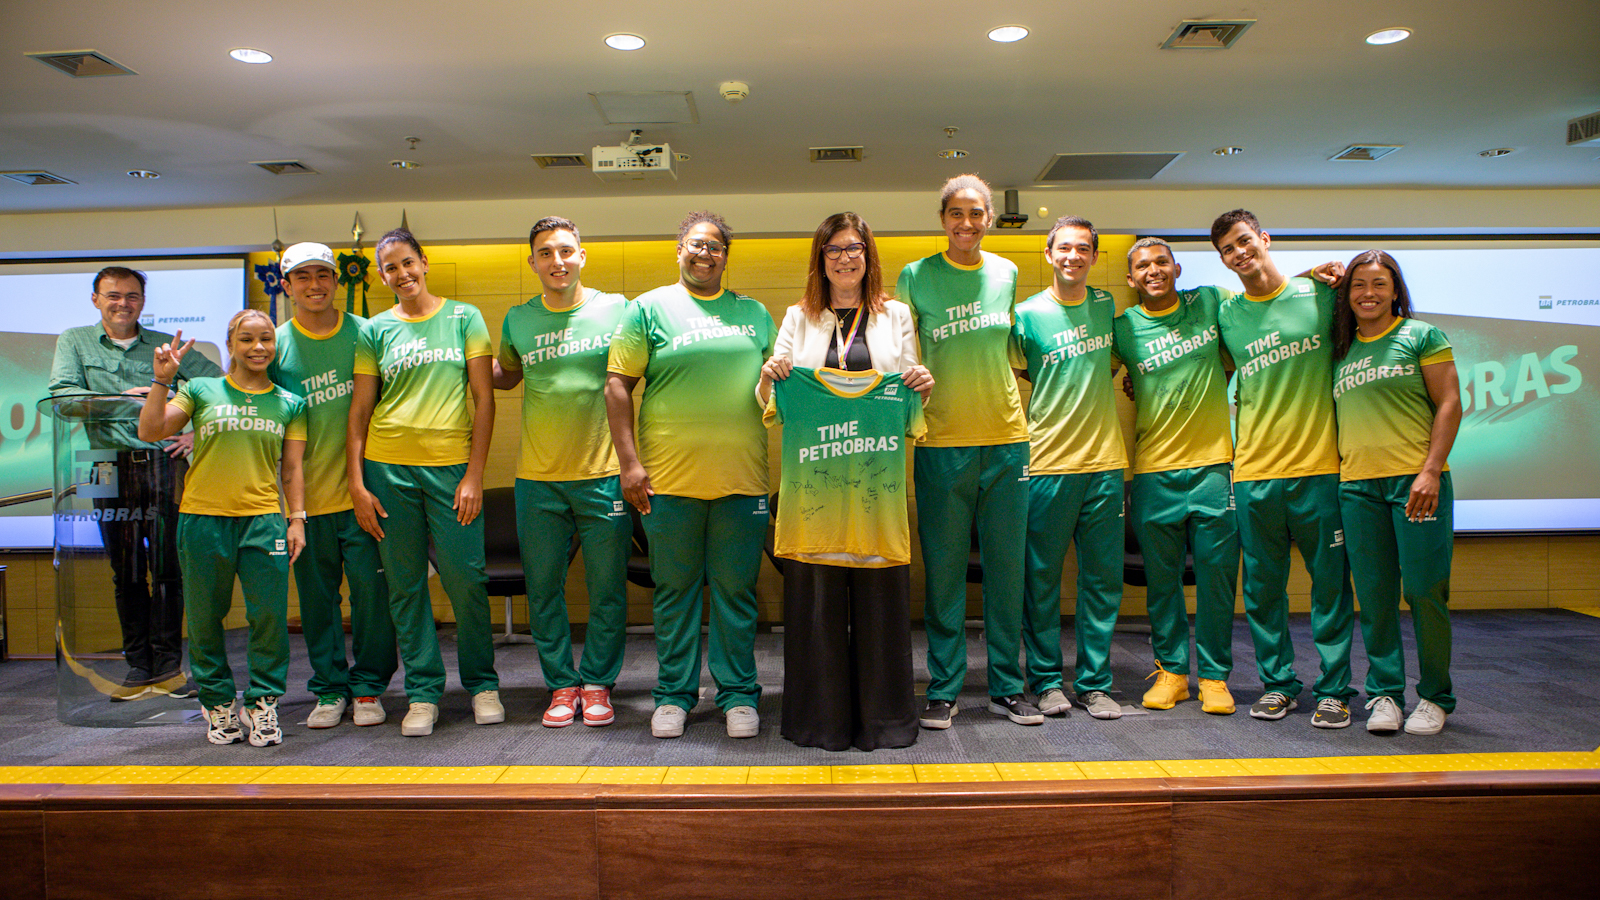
x,y
161,383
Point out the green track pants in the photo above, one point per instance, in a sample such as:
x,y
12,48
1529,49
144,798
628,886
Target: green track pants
x,y
212,551
957,488
549,515
1179,512
1391,558
337,549
418,500
1271,512
695,543
1084,510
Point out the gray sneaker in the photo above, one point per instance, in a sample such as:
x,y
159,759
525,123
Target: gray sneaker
x,y
937,715
1383,715
668,721
1427,718
1054,702
1273,705
1100,705
1331,713
743,721
1016,709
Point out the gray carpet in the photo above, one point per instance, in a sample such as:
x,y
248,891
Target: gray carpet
x,y
1526,680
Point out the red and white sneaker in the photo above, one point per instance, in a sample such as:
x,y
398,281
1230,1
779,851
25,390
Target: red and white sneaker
x,y
564,706
597,706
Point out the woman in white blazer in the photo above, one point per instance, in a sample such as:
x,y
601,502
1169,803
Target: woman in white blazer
x,y
847,628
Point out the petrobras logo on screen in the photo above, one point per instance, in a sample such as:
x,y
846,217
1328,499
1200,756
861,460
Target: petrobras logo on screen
x,y
1552,303
1546,302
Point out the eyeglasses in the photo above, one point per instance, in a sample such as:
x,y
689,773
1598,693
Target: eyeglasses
x,y
714,248
850,251
134,297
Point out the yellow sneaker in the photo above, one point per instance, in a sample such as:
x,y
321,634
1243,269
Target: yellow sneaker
x,y
1214,697
1169,689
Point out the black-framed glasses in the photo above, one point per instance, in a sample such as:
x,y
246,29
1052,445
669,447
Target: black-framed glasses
x,y
850,251
699,245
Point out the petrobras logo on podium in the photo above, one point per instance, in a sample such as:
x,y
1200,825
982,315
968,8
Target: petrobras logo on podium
x,y
98,479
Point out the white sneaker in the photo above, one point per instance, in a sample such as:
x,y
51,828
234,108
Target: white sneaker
x,y
419,719
743,722
260,722
369,711
668,721
328,712
222,724
487,709
1383,716
1054,702
1427,718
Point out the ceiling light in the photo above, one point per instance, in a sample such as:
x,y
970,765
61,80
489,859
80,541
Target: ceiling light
x,y
250,55
143,173
1228,151
405,164
1497,152
624,41
1388,36
1007,34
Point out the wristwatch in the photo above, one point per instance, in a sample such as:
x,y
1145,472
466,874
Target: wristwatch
x,y
301,515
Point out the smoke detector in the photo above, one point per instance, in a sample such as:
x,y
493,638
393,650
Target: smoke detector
x,y
733,91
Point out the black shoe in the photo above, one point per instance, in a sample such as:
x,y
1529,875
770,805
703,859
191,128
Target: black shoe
x,y
1016,709
938,714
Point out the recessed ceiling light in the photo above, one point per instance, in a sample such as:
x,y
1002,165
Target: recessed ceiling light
x,y
1228,151
624,41
1008,34
1389,36
143,173
405,164
1497,152
250,55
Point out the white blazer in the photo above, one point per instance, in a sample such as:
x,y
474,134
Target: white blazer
x,y
891,339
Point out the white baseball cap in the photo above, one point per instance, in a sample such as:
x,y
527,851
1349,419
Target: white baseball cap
x,y
307,254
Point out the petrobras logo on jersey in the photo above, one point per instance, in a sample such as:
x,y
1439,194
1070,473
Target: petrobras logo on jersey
x,y
889,390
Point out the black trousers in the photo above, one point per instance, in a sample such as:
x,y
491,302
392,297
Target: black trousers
x,y
139,529
847,657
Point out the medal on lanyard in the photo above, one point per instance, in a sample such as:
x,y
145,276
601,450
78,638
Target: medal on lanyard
x,y
844,341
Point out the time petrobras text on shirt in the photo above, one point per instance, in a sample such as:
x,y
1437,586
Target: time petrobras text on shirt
x,y
704,328
1271,349
842,440
1072,343
1174,346
1362,371
327,386
415,353
231,417
967,317
555,344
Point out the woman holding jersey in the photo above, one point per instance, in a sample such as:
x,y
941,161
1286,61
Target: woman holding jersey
x,y
1399,406
847,630
231,523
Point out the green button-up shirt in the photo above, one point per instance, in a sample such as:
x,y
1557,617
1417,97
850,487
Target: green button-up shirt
x,y
86,361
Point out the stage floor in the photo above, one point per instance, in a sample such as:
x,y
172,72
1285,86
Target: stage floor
x,y
1527,681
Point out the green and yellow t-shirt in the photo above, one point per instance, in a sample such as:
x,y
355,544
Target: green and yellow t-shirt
x,y
1385,412
842,494
1180,385
1283,345
562,357
1072,415
422,417
699,432
320,369
238,445
963,316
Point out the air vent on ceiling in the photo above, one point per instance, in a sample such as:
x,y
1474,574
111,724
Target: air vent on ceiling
x,y
1207,34
561,160
1365,152
36,177
646,107
1583,129
286,167
1105,166
837,154
82,63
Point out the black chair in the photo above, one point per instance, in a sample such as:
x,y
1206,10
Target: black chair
x,y
502,555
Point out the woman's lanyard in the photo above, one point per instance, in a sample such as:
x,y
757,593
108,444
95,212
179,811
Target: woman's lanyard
x,y
844,340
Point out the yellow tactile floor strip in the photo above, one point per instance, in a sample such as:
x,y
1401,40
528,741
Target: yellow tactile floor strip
x,y
851,774
1586,610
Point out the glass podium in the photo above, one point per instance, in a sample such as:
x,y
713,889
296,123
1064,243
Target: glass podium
x,y
119,596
